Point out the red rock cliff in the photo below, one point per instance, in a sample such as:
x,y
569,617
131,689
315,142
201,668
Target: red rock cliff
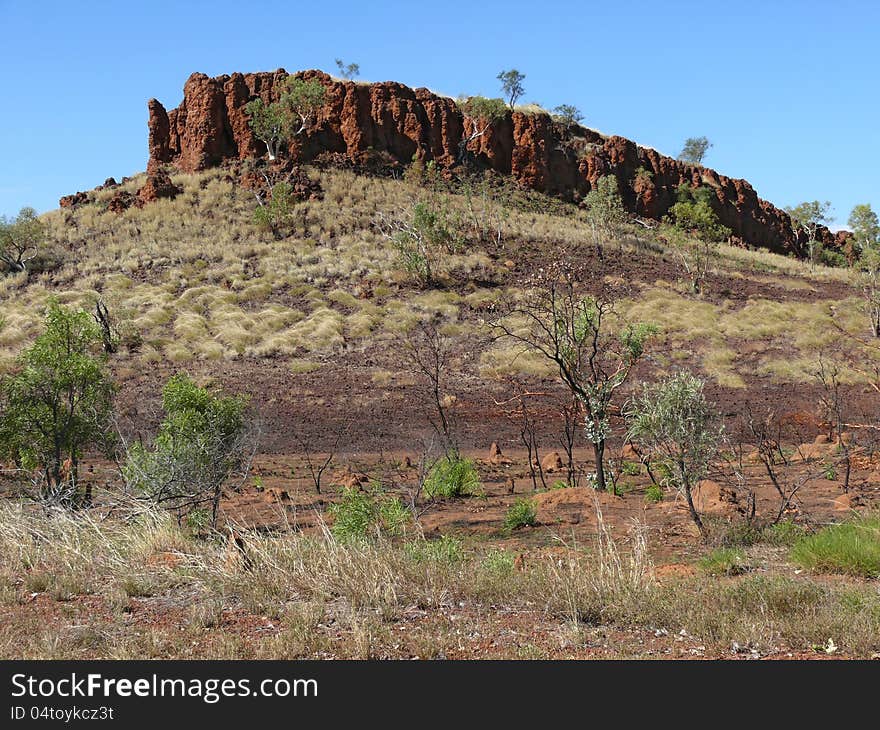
x,y
211,126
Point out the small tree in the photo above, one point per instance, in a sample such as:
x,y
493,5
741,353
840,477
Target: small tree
x,y
593,350
58,404
303,100
512,85
348,70
605,209
484,113
694,150
20,240
269,123
866,232
807,218
567,114
282,121
680,429
203,441
693,216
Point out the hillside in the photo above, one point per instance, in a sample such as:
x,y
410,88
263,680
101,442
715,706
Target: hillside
x,y
208,291
313,284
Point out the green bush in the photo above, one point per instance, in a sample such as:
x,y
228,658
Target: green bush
x,y
851,548
203,440
693,212
631,468
724,561
522,513
445,550
360,515
497,563
654,493
451,477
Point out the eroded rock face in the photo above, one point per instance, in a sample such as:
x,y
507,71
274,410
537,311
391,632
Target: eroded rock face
x,y
360,121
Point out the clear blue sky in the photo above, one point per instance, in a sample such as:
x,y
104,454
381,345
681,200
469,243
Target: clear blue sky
x,y
786,90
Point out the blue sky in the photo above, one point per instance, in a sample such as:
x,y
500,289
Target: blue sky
x,y
787,91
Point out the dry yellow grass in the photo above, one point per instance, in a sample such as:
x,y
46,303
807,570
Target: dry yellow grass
x,y
199,281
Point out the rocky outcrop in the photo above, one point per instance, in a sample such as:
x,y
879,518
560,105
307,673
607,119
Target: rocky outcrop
x,y
358,121
158,185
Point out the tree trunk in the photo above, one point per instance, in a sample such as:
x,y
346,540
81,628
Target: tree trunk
x,y
695,516
599,452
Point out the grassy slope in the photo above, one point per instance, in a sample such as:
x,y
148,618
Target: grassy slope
x,y
201,283
208,291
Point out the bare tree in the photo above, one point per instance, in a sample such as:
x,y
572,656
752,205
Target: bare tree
x,y
593,349
770,433
318,462
427,353
832,404
571,420
518,412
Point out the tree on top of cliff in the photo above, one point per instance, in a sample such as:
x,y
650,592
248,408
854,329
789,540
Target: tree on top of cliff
x,y
694,150
484,113
866,230
512,85
348,70
567,114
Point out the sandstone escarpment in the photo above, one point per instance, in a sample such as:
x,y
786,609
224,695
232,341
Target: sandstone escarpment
x,y
358,120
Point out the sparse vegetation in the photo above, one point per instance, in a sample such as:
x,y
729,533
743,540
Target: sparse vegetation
x,y
521,513
851,548
680,430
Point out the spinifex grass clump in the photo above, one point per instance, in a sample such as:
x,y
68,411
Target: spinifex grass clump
x,y
361,515
852,548
452,476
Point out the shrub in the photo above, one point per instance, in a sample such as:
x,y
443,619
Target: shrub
x,y
679,428
851,548
276,213
693,212
783,533
361,515
724,561
201,443
498,563
420,239
631,468
451,477
654,493
445,550
522,513
58,403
